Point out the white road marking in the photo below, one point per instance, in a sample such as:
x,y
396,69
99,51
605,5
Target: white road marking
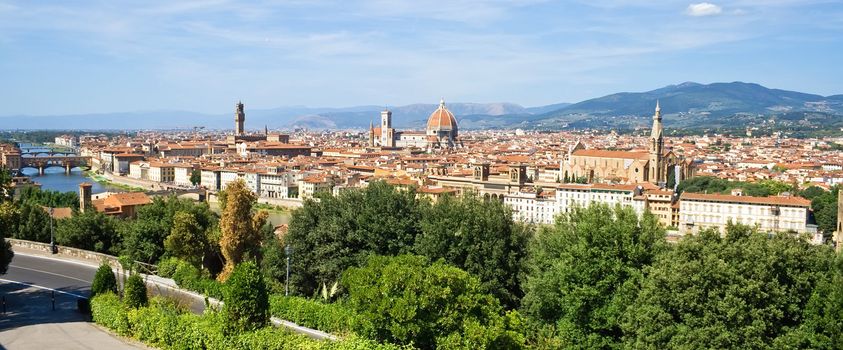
x,y
50,273
42,287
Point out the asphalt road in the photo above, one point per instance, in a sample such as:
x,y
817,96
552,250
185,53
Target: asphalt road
x,y
67,276
73,279
39,304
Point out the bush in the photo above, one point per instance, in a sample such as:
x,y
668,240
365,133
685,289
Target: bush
x,y
331,318
166,327
407,300
167,267
246,298
134,294
189,277
107,310
104,280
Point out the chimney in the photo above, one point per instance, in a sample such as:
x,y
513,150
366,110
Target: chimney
x,y
84,196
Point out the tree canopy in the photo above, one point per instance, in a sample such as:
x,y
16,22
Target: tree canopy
x,y
335,233
584,272
407,300
744,290
479,237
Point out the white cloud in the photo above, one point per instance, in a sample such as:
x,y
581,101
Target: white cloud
x,y
703,9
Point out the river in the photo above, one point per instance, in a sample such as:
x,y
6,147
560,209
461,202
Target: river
x,y
55,179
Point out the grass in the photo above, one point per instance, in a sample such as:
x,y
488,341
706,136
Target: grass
x,y
104,181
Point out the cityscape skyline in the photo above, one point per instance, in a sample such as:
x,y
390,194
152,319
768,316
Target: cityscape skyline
x,y
98,58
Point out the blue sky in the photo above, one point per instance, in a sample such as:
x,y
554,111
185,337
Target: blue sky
x,y
74,56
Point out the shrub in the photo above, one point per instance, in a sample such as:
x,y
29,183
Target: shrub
x,y
134,295
331,318
189,277
167,267
246,298
407,300
107,310
104,280
166,327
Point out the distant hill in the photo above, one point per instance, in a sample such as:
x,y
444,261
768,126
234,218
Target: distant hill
x,y
686,105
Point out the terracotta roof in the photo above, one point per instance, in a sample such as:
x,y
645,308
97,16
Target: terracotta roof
x,y
59,213
128,199
778,200
441,119
611,154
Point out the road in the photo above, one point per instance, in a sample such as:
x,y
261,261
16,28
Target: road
x,y
40,298
72,279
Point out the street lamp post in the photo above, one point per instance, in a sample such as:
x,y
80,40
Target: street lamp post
x,y
52,236
289,251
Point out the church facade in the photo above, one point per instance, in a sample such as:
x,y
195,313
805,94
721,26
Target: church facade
x,y
655,165
441,132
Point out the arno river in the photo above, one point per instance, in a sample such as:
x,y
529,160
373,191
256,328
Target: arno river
x,y
55,179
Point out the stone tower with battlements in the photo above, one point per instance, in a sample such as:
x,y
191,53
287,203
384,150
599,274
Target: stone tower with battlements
x,y
239,119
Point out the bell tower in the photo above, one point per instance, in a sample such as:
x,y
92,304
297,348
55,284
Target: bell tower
x,y
386,129
657,170
239,119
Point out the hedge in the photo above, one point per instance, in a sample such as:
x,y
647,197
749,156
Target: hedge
x,y
166,327
189,277
332,318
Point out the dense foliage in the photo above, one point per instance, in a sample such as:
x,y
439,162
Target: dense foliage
x,y
407,300
744,290
187,240
246,298
48,198
33,222
335,318
134,292
585,271
824,204
167,327
104,280
330,235
143,238
90,230
479,237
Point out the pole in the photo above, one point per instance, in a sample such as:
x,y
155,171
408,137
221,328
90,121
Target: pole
x,y
53,249
289,251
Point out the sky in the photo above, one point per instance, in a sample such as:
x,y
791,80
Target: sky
x,y
78,56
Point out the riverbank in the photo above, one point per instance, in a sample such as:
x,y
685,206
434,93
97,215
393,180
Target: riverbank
x,y
105,181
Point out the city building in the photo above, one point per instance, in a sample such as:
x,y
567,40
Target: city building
x,y
655,165
441,132
700,211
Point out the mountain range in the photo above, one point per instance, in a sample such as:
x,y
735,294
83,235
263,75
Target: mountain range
x,y
686,105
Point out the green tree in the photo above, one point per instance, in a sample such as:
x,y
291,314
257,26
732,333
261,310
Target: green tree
x,y
187,239
104,280
584,272
143,238
90,230
246,299
134,293
273,258
239,226
34,223
407,300
335,233
824,207
479,237
741,291
195,177
49,198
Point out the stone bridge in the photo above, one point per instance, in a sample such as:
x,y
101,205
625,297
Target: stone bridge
x,y
66,161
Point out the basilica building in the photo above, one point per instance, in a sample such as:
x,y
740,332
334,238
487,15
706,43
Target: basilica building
x,y
655,165
441,132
